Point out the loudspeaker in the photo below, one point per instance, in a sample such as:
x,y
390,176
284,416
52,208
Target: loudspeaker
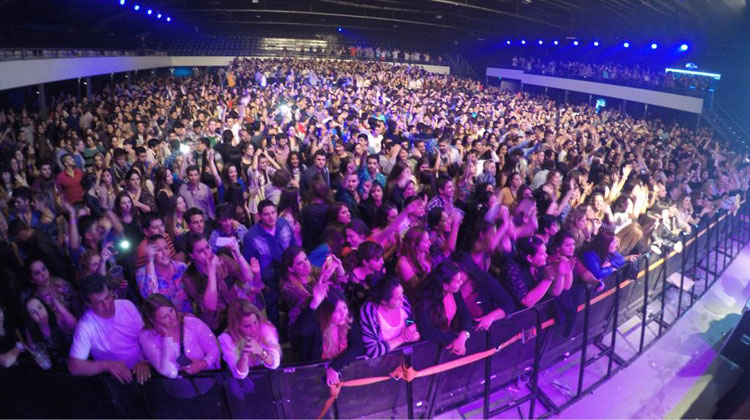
x,y
737,347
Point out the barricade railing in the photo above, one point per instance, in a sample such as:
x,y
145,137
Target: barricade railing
x,y
423,380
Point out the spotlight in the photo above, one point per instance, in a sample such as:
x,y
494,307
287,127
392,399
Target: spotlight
x,y
596,43
122,2
684,47
507,42
149,11
169,19
158,15
654,46
523,42
626,44
340,30
555,42
137,7
541,42
575,43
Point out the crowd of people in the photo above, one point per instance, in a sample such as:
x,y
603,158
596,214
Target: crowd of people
x,y
367,52
614,72
286,211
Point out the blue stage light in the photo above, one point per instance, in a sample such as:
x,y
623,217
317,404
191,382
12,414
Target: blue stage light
x,y
169,19
122,2
523,42
137,7
626,44
149,11
684,47
541,42
158,15
575,43
340,30
556,43
596,43
507,42
654,46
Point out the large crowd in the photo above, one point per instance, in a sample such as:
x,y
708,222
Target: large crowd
x,y
285,211
614,73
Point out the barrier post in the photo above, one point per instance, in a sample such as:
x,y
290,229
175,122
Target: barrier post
x,y
487,375
409,387
682,272
537,362
584,344
695,267
665,252
644,320
707,250
614,322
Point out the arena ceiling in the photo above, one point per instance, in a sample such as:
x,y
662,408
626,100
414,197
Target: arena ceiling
x,y
616,19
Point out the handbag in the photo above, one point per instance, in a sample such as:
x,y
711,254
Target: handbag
x,y
182,359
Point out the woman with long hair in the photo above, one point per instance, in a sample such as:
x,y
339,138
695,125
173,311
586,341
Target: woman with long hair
x,y
164,190
143,200
173,341
49,330
327,332
295,167
526,277
108,189
288,209
443,231
509,196
174,221
442,315
128,215
300,283
249,340
369,262
396,182
369,207
602,257
414,261
577,224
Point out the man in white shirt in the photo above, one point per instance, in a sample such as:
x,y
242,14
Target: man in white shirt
x,y
108,331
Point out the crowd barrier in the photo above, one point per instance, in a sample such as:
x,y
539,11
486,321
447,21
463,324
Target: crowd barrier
x,y
421,380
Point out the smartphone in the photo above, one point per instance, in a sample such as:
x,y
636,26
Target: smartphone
x,y
409,321
223,242
124,244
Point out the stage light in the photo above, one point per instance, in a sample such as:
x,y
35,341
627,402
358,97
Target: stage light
x,y
684,47
507,42
523,42
169,19
158,15
541,42
556,43
122,2
149,12
654,46
137,7
340,30
626,44
596,43
575,43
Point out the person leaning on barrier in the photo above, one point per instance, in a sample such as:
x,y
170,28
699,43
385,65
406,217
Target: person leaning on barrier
x,y
386,320
442,315
173,341
249,340
526,276
108,331
49,327
326,330
602,258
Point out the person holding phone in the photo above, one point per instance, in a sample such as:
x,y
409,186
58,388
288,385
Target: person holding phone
x,y
386,320
249,340
175,342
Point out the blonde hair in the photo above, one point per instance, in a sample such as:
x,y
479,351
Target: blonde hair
x,y
333,345
237,310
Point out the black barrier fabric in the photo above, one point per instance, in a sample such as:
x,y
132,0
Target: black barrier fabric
x,y
529,341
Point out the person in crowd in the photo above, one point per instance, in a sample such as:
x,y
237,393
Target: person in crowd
x,y
49,331
162,274
603,258
325,330
227,227
52,289
213,281
108,332
175,342
151,225
249,340
386,319
196,193
414,261
526,276
442,315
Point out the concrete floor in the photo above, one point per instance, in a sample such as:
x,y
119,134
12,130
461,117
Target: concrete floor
x,y
680,376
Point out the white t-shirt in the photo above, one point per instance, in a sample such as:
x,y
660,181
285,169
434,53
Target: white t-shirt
x,y
115,338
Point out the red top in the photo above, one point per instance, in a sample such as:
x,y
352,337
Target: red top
x,y
70,186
